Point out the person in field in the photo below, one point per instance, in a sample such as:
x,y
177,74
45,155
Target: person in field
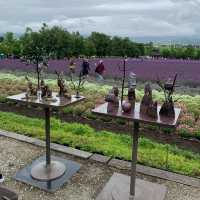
x,y
72,66
100,68
85,68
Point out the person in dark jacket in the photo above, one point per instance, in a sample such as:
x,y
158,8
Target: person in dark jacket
x,y
85,68
100,68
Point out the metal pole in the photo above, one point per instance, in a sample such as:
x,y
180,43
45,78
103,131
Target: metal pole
x,y
123,81
47,131
134,159
167,157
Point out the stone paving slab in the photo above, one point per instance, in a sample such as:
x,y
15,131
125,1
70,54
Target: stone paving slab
x,y
24,175
56,147
118,188
71,151
120,164
186,180
100,158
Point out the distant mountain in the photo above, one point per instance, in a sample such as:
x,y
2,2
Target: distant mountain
x,y
183,40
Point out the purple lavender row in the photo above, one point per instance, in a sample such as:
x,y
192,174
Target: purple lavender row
x,y
145,69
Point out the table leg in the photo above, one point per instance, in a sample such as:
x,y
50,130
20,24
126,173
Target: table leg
x,y
48,170
48,140
134,159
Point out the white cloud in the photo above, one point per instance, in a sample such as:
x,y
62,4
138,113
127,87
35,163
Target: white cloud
x,y
114,17
135,6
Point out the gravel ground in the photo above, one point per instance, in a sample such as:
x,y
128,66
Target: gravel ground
x,y
88,182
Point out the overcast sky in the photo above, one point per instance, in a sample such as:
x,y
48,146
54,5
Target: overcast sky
x,y
114,17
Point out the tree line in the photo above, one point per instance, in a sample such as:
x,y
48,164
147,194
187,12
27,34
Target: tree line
x,y
57,43
187,52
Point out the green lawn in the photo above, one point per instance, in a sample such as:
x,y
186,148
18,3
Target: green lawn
x,y
106,143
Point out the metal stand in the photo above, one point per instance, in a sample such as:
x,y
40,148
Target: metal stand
x,y
49,170
48,140
134,159
129,188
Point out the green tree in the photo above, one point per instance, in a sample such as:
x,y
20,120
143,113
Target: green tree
x,y
102,43
117,46
197,54
1,39
10,45
165,52
189,52
78,44
89,48
149,48
34,51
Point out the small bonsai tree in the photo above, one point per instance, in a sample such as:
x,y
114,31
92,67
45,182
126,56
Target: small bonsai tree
x,y
77,84
40,60
35,53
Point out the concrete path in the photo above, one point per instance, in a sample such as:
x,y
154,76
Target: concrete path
x,y
85,185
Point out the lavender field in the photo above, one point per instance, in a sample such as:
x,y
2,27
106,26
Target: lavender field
x,y
188,70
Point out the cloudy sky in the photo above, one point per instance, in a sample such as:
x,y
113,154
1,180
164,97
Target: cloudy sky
x,y
114,17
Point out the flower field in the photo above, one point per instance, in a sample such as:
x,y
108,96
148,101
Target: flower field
x,y
188,70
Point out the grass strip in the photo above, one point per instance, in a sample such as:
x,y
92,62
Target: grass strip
x,y
107,143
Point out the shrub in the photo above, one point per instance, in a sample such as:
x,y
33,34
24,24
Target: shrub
x,y
197,134
151,127
184,133
91,116
193,108
188,120
120,121
89,105
3,99
68,110
167,130
79,110
106,119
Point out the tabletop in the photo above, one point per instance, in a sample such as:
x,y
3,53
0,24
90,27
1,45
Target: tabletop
x,y
136,116
55,102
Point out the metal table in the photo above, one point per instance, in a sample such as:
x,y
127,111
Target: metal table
x,y
47,169
137,118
